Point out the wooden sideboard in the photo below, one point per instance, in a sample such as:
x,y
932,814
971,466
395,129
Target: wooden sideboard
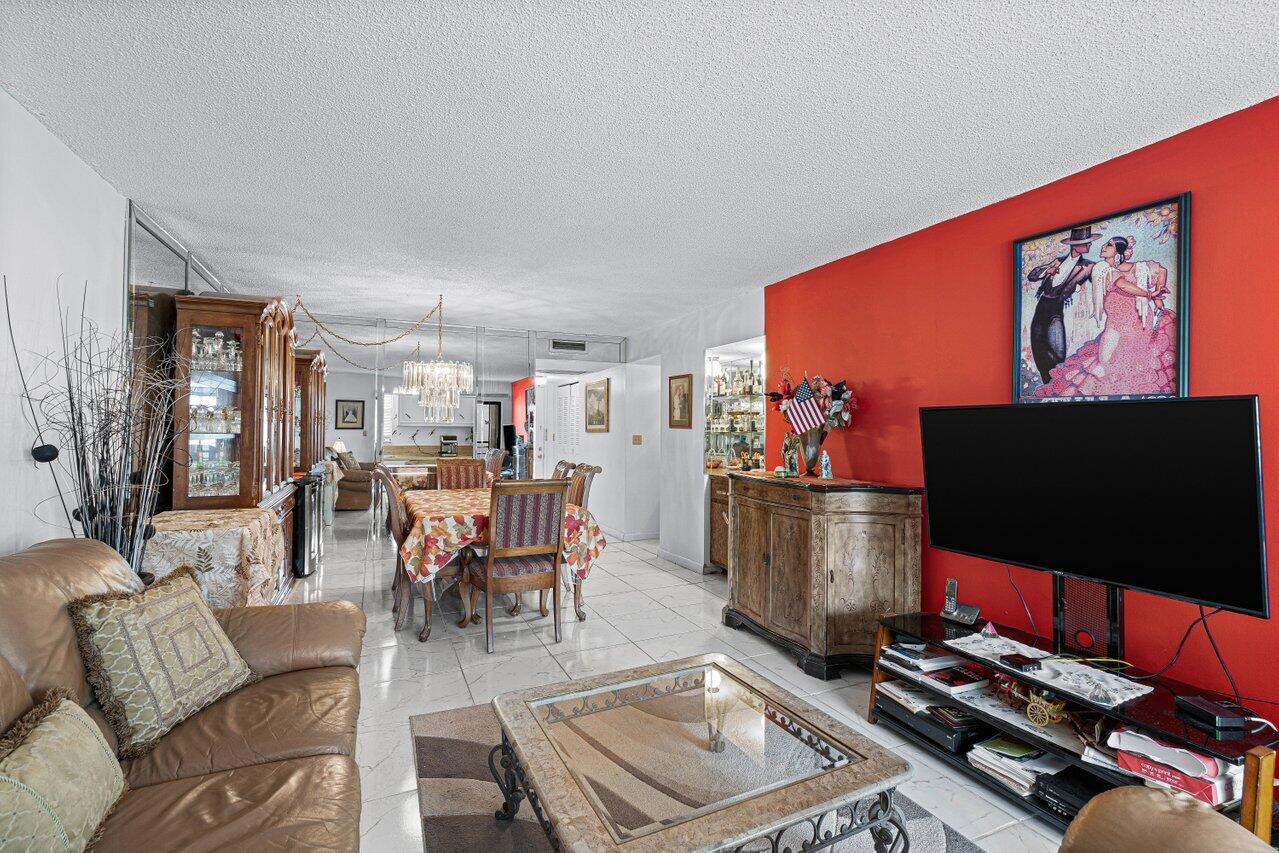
x,y
814,564
718,517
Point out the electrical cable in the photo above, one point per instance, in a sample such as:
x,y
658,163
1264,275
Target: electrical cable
x,y
1180,646
1033,628
1234,688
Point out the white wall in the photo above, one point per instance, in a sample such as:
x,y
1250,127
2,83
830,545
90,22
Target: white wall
x,y
624,497
57,217
680,347
351,386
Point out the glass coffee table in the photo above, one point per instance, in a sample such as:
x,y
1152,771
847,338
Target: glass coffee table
x,y
694,754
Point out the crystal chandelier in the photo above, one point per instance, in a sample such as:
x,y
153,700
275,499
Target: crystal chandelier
x,y
438,384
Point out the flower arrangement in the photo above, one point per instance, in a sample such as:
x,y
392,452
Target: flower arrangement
x,y
835,402
813,408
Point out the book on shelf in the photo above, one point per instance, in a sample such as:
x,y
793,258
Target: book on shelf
x,y
925,660
913,699
954,718
955,681
1013,762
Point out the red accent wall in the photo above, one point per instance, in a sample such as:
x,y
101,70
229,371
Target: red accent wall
x,y
519,411
926,320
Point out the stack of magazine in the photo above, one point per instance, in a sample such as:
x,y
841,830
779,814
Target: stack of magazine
x,y
919,657
1013,763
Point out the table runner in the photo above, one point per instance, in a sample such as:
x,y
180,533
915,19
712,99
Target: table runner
x,y
236,553
444,521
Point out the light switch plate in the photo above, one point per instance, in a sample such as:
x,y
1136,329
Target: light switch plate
x,y
637,439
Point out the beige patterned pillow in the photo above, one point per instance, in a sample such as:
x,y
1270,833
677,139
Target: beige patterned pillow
x,y
58,778
156,657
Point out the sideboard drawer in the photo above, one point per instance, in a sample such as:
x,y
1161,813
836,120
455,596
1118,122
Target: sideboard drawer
x,y
773,493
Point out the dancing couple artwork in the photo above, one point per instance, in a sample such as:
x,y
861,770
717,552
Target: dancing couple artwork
x,y
1100,307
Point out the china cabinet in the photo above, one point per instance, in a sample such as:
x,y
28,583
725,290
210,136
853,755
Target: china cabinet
x,y
233,414
308,408
735,414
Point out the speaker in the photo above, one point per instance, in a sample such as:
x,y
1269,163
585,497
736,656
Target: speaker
x,y
1087,618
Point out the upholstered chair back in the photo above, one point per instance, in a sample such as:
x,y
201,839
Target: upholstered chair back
x,y
562,469
460,474
579,490
527,516
493,463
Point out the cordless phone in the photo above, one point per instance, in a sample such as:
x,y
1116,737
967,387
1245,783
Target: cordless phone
x,y
964,614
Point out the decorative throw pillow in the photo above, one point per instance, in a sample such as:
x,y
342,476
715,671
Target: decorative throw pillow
x,y
155,658
347,462
58,778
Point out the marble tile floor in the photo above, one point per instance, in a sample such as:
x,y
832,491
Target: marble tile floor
x,y
640,608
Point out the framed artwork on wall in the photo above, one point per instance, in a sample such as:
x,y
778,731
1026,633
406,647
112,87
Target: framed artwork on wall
x,y
597,406
679,401
348,414
1100,307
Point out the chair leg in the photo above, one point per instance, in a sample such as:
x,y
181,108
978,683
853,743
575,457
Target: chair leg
x,y
488,615
577,600
466,594
541,601
429,605
515,608
555,589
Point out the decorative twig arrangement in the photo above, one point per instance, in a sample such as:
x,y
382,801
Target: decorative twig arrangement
x,y
103,413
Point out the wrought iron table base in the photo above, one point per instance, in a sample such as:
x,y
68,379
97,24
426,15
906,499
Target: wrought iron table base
x,y
879,815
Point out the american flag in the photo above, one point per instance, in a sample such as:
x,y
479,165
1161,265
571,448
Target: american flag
x,y
803,412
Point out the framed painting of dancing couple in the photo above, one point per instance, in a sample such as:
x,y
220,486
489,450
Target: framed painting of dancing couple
x,y
1100,307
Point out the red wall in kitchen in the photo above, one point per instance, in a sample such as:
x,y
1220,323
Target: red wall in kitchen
x,y
926,320
519,412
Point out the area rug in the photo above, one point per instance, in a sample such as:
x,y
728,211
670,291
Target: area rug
x,y
457,796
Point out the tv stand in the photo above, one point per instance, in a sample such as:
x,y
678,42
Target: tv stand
x,y
1153,713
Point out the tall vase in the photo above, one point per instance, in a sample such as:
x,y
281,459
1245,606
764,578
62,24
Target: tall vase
x,y
810,445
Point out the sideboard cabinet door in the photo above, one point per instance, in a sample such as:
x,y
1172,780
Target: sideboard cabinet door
x,y
866,558
789,573
750,559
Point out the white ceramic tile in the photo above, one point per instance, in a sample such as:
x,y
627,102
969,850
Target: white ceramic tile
x,y
708,615
684,595
508,638
504,673
578,636
598,583
389,703
781,667
750,644
621,602
384,663
391,823
1023,837
955,801
650,579
385,757
579,664
647,625
685,645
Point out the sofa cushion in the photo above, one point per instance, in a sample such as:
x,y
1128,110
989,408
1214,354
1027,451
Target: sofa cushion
x,y
36,634
308,712
155,658
285,637
347,461
58,778
15,699
300,804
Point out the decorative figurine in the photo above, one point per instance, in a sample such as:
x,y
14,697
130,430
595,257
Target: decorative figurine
x,y
825,467
790,454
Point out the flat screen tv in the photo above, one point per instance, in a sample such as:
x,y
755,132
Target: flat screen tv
x,y
1162,496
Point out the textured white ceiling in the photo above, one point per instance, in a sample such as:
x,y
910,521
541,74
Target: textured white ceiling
x,y
596,165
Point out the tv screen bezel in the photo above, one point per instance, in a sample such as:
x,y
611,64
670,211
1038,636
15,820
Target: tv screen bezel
x,y
1263,613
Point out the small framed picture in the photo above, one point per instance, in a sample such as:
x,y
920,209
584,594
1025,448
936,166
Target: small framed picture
x,y
348,414
679,401
597,406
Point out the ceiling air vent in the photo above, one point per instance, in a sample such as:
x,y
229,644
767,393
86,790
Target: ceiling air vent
x,y
558,345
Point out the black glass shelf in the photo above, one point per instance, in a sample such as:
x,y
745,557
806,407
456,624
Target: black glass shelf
x,y
1153,712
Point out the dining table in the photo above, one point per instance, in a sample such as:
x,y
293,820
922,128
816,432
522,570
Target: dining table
x,y
444,521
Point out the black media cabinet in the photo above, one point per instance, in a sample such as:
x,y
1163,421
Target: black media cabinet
x,y
1152,713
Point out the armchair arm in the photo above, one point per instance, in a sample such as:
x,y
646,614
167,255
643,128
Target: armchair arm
x,y
289,637
357,475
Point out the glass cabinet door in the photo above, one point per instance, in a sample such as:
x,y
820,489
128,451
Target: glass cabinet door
x,y
215,412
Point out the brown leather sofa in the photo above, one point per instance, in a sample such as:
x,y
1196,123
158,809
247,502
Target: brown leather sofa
x,y
355,489
269,767
1136,819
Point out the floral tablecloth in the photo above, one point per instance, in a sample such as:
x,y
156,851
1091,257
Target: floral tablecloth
x,y
236,553
444,521
414,478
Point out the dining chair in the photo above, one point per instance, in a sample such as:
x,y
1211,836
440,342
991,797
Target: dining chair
x,y
398,522
562,469
579,493
460,474
493,463
525,546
